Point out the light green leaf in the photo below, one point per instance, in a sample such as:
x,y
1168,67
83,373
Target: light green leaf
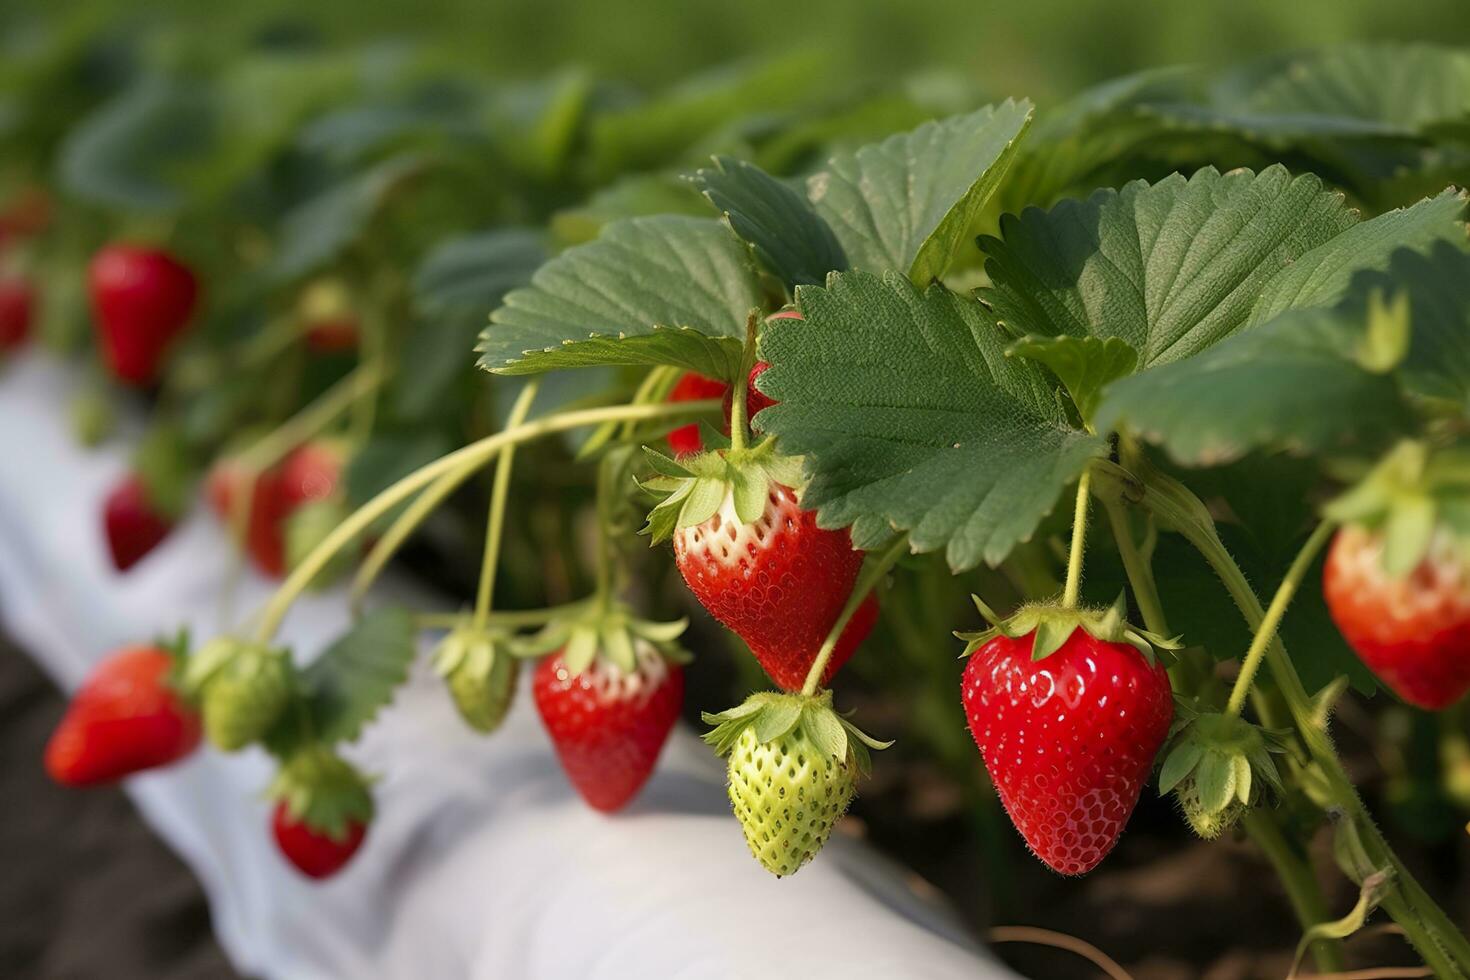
x,y
912,418
789,238
1321,276
907,204
1170,268
661,290
356,676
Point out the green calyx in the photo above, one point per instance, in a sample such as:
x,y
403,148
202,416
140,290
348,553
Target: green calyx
x,y
693,489
480,672
242,689
608,630
1217,766
1052,625
793,765
1406,497
323,790
771,716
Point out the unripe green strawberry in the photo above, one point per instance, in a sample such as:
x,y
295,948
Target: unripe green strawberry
x,y
792,773
1217,766
242,688
481,676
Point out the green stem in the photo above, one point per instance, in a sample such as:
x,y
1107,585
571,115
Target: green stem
x,y
499,492
404,525
1262,826
315,417
741,384
1266,632
1079,541
873,572
1437,939
477,453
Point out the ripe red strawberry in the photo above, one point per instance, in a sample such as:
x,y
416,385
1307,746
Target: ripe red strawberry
x,y
1413,632
609,725
779,582
315,853
264,535
141,300
133,524
125,718
692,388
1069,740
17,302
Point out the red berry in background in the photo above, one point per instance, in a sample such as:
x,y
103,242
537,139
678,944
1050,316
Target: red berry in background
x,y
1069,740
310,472
132,523
692,388
755,400
26,215
315,853
124,719
264,532
17,308
141,301
609,726
779,582
332,336
1412,632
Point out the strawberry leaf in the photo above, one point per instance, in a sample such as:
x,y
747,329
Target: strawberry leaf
x,y
1085,365
663,290
907,203
788,237
357,675
913,419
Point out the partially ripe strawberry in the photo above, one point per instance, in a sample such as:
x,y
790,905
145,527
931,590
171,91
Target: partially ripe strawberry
x,y
310,472
1413,632
779,582
609,725
125,718
1068,740
17,302
323,811
326,311
142,300
315,853
692,388
132,523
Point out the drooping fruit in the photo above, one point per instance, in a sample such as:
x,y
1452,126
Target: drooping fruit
x,y
1068,740
480,673
142,299
609,724
1412,631
125,718
793,767
242,688
323,811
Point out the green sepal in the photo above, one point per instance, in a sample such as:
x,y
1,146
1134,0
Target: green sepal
x,y
1406,496
1054,624
323,791
1218,765
693,488
590,631
1385,341
773,716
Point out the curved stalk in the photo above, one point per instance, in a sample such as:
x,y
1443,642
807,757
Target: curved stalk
x,y
495,521
1434,936
872,572
477,453
1266,632
1292,867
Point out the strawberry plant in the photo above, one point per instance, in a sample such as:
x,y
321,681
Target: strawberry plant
x,y
1156,400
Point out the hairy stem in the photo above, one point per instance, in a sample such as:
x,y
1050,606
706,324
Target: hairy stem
x,y
873,572
495,521
1079,541
1266,632
1437,939
477,453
